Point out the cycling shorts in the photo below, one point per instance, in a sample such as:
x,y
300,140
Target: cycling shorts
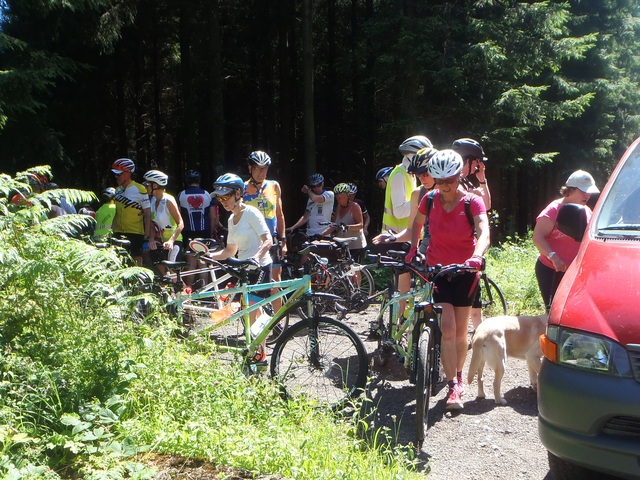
x,y
459,292
136,240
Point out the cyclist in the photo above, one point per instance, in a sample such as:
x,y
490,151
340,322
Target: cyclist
x,y
249,236
558,250
105,214
198,213
319,206
397,198
266,196
165,216
453,241
473,179
133,214
366,219
382,177
419,166
348,217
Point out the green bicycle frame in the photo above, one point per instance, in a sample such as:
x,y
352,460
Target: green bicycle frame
x,y
297,291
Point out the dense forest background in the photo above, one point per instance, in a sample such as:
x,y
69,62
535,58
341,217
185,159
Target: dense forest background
x,y
332,86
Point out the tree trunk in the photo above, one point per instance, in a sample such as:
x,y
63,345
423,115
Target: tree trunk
x,y
308,94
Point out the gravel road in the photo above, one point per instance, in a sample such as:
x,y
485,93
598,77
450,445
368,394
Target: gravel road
x,y
484,441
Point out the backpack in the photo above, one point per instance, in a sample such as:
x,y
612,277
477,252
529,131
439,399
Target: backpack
x,y
467,210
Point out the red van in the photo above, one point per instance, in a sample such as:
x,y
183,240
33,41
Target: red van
x,y
589,383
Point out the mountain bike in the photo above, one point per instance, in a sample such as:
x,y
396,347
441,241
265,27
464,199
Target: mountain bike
x,y
319,358
415,340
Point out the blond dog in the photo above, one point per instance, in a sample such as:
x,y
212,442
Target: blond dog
x,y
499,337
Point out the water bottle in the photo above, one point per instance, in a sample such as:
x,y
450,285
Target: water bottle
x,y
261,322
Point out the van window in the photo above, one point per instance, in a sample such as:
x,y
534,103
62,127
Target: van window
x,y
620,210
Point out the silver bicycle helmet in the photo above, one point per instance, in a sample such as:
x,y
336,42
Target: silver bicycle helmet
x,y
420,161
412,144
468,147
156,176
226,183
353,188
259,158
445,163
315,179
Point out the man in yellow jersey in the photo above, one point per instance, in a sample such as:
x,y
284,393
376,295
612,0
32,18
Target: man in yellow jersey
x,y
266,196
133,213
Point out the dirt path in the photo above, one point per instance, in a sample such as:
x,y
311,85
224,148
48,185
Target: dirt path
x,y
483,441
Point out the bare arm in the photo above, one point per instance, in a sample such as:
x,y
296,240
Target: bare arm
x,y
544,227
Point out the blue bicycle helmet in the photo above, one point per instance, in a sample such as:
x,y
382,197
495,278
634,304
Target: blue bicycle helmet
x,y
353,189
259,158
227,183
315,179
383,173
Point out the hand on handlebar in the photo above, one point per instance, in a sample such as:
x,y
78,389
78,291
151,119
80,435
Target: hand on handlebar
x,y
476,261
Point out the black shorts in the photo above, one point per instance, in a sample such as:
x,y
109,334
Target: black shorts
x,y
136,239
460,291
261,276
276,254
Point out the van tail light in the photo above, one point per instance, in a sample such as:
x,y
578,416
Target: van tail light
x,y
549,348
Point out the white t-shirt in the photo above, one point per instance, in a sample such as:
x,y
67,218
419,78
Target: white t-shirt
x,y
319,213
246,234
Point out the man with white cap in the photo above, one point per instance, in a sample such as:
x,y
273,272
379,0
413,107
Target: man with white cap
x,y
558,250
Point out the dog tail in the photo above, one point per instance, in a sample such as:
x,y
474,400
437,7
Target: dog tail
x,y
476,358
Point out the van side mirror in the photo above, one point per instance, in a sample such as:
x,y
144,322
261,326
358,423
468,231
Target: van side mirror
x,y
572,220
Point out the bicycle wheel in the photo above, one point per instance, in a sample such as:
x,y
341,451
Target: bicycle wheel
x,y
365,282
492,298
423,383
321,359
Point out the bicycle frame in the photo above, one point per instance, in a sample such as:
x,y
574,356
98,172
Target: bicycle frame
x,y
297,291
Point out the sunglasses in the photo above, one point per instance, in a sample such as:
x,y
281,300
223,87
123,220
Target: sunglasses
x,y
224,198
448,181
117,174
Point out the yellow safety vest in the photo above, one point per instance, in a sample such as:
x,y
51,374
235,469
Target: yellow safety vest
x,y
389,221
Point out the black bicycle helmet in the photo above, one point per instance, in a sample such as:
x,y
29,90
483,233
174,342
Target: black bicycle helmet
x,y
259,158
468,148
192,176
420,161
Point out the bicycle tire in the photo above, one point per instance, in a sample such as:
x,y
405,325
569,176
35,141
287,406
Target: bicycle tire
x,y
367,284
329,376
492,298
423,383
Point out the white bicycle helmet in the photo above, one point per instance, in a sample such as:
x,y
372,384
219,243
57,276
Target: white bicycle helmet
x,y
123,165
445,163
227,183
315,179
109,192
412,144
342,188
353,188
156,176
259,158
420,161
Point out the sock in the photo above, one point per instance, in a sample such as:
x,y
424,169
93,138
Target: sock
x,y
459,374
452,383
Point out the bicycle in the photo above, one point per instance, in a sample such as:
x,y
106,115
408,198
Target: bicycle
x,y
417,340
320,357
491,297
